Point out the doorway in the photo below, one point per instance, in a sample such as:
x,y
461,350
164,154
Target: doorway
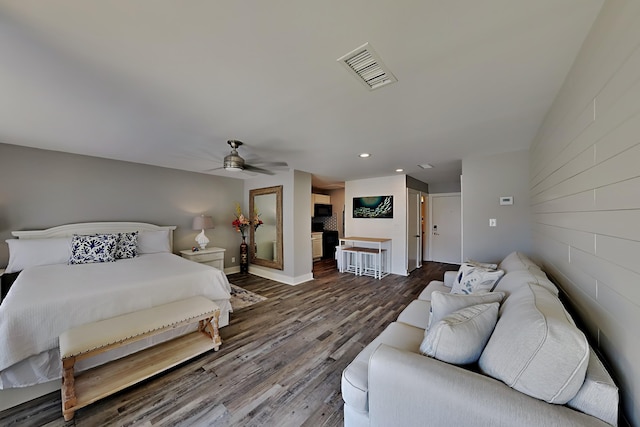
x,y
445,237
414,234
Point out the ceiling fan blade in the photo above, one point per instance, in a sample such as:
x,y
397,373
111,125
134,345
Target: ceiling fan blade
x,y
272,164
214,169
257,170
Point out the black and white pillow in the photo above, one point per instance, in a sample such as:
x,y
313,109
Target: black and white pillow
x,y
127,246
93,248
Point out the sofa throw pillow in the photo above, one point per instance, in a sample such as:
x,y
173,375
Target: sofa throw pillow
x,y
488,265
536,348
93,248
474,279
127,246
443,304
460,337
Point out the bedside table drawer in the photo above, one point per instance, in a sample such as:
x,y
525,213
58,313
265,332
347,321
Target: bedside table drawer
x,y
205,257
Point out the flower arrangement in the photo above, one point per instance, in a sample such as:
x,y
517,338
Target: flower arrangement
x,y
242,223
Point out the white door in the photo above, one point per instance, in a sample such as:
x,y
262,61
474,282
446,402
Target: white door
x,y
413,231
446,226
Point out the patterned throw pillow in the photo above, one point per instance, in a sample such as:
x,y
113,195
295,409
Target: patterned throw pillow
x,y
474,279
93,248
127,246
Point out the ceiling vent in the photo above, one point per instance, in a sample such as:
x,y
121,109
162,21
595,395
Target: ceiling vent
x,y
366,65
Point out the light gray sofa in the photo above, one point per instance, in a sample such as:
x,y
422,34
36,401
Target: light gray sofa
x,y
535,347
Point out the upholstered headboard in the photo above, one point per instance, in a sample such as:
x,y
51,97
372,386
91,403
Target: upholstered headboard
x,y
94,228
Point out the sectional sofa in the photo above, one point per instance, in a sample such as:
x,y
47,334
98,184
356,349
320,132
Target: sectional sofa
x,y
534,367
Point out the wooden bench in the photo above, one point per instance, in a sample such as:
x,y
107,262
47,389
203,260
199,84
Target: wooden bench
x,y
94,338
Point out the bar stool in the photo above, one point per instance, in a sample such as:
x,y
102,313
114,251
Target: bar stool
x,y
372,262
349,261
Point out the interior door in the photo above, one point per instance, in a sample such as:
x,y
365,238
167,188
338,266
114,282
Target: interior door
x,y
414,245
446,227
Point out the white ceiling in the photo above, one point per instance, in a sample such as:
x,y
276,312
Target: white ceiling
x,y
169,82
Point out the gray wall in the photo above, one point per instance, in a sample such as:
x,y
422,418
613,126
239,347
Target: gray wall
x,y
445,187
41,189
585,191
484,180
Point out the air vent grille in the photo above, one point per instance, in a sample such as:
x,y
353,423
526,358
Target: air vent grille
x,y
368,68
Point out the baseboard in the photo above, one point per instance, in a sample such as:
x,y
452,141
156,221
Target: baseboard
x,y
278,277
15,396
232,270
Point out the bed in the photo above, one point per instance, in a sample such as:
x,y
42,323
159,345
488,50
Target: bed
x,y
49,298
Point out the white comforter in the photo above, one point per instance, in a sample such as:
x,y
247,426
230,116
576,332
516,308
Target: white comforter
x,y
47,300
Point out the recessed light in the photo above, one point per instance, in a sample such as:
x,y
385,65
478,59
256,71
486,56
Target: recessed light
x,y
364,155
399,170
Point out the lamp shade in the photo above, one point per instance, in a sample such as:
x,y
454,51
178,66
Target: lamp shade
x,y
202,222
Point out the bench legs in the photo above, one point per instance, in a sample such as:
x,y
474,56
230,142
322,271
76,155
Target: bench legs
x,y
211,330
68,388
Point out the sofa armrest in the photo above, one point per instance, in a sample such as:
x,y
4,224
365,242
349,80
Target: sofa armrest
x,y
449,278
409,389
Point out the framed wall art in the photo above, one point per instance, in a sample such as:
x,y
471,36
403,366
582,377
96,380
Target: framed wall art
x,y
373,207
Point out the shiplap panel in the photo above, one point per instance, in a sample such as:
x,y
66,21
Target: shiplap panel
x,y
621,195
619,168
619,139
584,201
623,252
560,142
607,121
619,279
580,163
602,200
579,239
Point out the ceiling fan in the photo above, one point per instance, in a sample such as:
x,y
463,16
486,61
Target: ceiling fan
x,y
234,163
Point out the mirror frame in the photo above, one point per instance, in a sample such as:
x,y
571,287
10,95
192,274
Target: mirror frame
x,y
279,264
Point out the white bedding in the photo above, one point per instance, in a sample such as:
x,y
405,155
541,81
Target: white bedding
x,y
44,301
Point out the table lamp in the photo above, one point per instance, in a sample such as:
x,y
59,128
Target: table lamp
x,y
202,222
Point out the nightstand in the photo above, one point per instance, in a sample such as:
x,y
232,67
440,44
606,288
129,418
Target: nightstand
x,y
210,256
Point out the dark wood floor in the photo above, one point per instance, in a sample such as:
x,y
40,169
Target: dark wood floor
x,y
279,365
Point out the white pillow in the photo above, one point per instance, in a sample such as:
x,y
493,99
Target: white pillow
x,y
443,304
460,337
472,278
152,242
25,253
488,265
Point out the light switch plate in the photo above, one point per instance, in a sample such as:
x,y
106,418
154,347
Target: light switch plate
x,y
506,200
492,222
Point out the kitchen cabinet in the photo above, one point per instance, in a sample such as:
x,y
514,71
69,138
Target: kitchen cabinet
x,y
316,245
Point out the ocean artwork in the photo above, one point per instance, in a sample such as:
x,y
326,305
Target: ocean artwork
x,y
373,207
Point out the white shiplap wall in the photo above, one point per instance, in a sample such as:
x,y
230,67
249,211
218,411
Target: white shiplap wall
x,y
585,192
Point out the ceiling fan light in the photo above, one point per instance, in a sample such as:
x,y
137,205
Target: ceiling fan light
x,y
233,163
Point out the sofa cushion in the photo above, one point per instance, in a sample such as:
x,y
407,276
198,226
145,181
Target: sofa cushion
x,y
516,261
460,337
473,279
416,314
443,304
514,279
598,395
434,285
355,383
535,347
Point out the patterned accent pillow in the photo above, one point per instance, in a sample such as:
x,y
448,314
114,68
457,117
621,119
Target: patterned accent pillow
x,y
93,248
475,279
127,246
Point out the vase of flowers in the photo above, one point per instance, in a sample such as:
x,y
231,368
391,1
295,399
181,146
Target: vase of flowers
x,y
241,224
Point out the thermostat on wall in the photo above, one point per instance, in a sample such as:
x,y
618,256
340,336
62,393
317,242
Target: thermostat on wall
x,y
506,200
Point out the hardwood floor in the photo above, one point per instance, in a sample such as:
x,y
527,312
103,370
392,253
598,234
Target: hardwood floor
x,y
279,365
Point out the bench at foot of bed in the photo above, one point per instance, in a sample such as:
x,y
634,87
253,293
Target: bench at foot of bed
x,y
94,338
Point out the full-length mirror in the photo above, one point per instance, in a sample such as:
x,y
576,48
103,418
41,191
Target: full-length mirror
x,y
266,239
